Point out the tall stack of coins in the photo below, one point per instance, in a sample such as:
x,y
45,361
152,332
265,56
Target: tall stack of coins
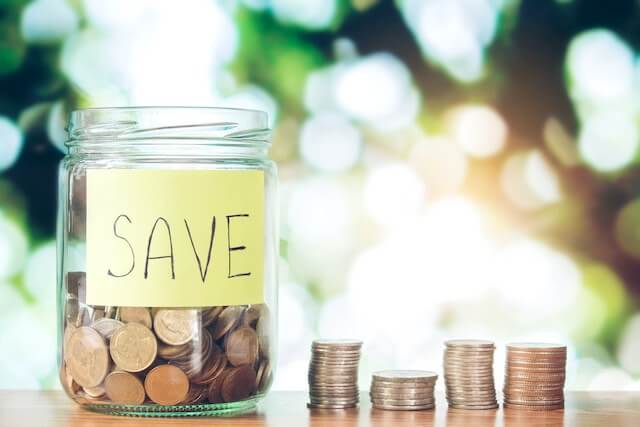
x,y
164,356
403,390
534,376
333,374
468,374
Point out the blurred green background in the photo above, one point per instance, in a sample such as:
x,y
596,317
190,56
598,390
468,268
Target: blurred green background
x,y
449,168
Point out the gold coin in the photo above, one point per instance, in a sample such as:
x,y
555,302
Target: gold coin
x,y
176,326
67,381
214,393
140,315
263,330
241,346
239,384
210,315
124,388
265,378
88,358
166,385
133,347
251,315
227,320
106,326
95,392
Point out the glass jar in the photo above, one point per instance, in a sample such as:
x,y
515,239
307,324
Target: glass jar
x,y
168,248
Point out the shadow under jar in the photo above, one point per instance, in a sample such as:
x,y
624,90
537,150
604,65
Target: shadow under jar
x,y
168,248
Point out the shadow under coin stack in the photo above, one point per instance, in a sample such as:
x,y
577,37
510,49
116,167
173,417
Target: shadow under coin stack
x,y
468,374
534,376
403,390
333,374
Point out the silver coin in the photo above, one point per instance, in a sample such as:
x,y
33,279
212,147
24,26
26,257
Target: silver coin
x,y
402,408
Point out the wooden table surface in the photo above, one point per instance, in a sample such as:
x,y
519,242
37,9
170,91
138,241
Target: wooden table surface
x,y
53,408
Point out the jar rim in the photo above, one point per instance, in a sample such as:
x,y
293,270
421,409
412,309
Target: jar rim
x,y
152,125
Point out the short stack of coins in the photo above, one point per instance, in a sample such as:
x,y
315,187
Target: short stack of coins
x,y
399,390
535,376
468,374
163,356
333,374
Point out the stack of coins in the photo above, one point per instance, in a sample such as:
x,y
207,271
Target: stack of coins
x,y
163,356
333,374
468,374
403,390
534,376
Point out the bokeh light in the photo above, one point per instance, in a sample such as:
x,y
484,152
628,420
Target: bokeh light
x,y
314,15
479,130
600,67
330,143
454,33
627,228
372,89
393,193
441,163
11,141
529,181
608,141
48,21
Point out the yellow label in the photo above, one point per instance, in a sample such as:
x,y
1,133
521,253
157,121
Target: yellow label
x,y
175,238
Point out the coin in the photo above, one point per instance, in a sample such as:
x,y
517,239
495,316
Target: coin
x,y
133,347
242,346
508,405
95,392
403,407
124,388
403,402
140,315
336,343
106,326
176,326
88,358
408,376
474,407
238,384
330,406
227,320
214,391
166,385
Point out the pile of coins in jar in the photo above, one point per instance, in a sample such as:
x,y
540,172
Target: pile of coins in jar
x,y
534,378
163,356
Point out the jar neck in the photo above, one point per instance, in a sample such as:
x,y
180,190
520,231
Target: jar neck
x,y
170,148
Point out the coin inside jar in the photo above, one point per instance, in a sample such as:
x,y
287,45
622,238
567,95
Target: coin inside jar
x,y
242,347
166,385
176,326
88,358
140,315
133,347
106,327
124,388
238,384
226,321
